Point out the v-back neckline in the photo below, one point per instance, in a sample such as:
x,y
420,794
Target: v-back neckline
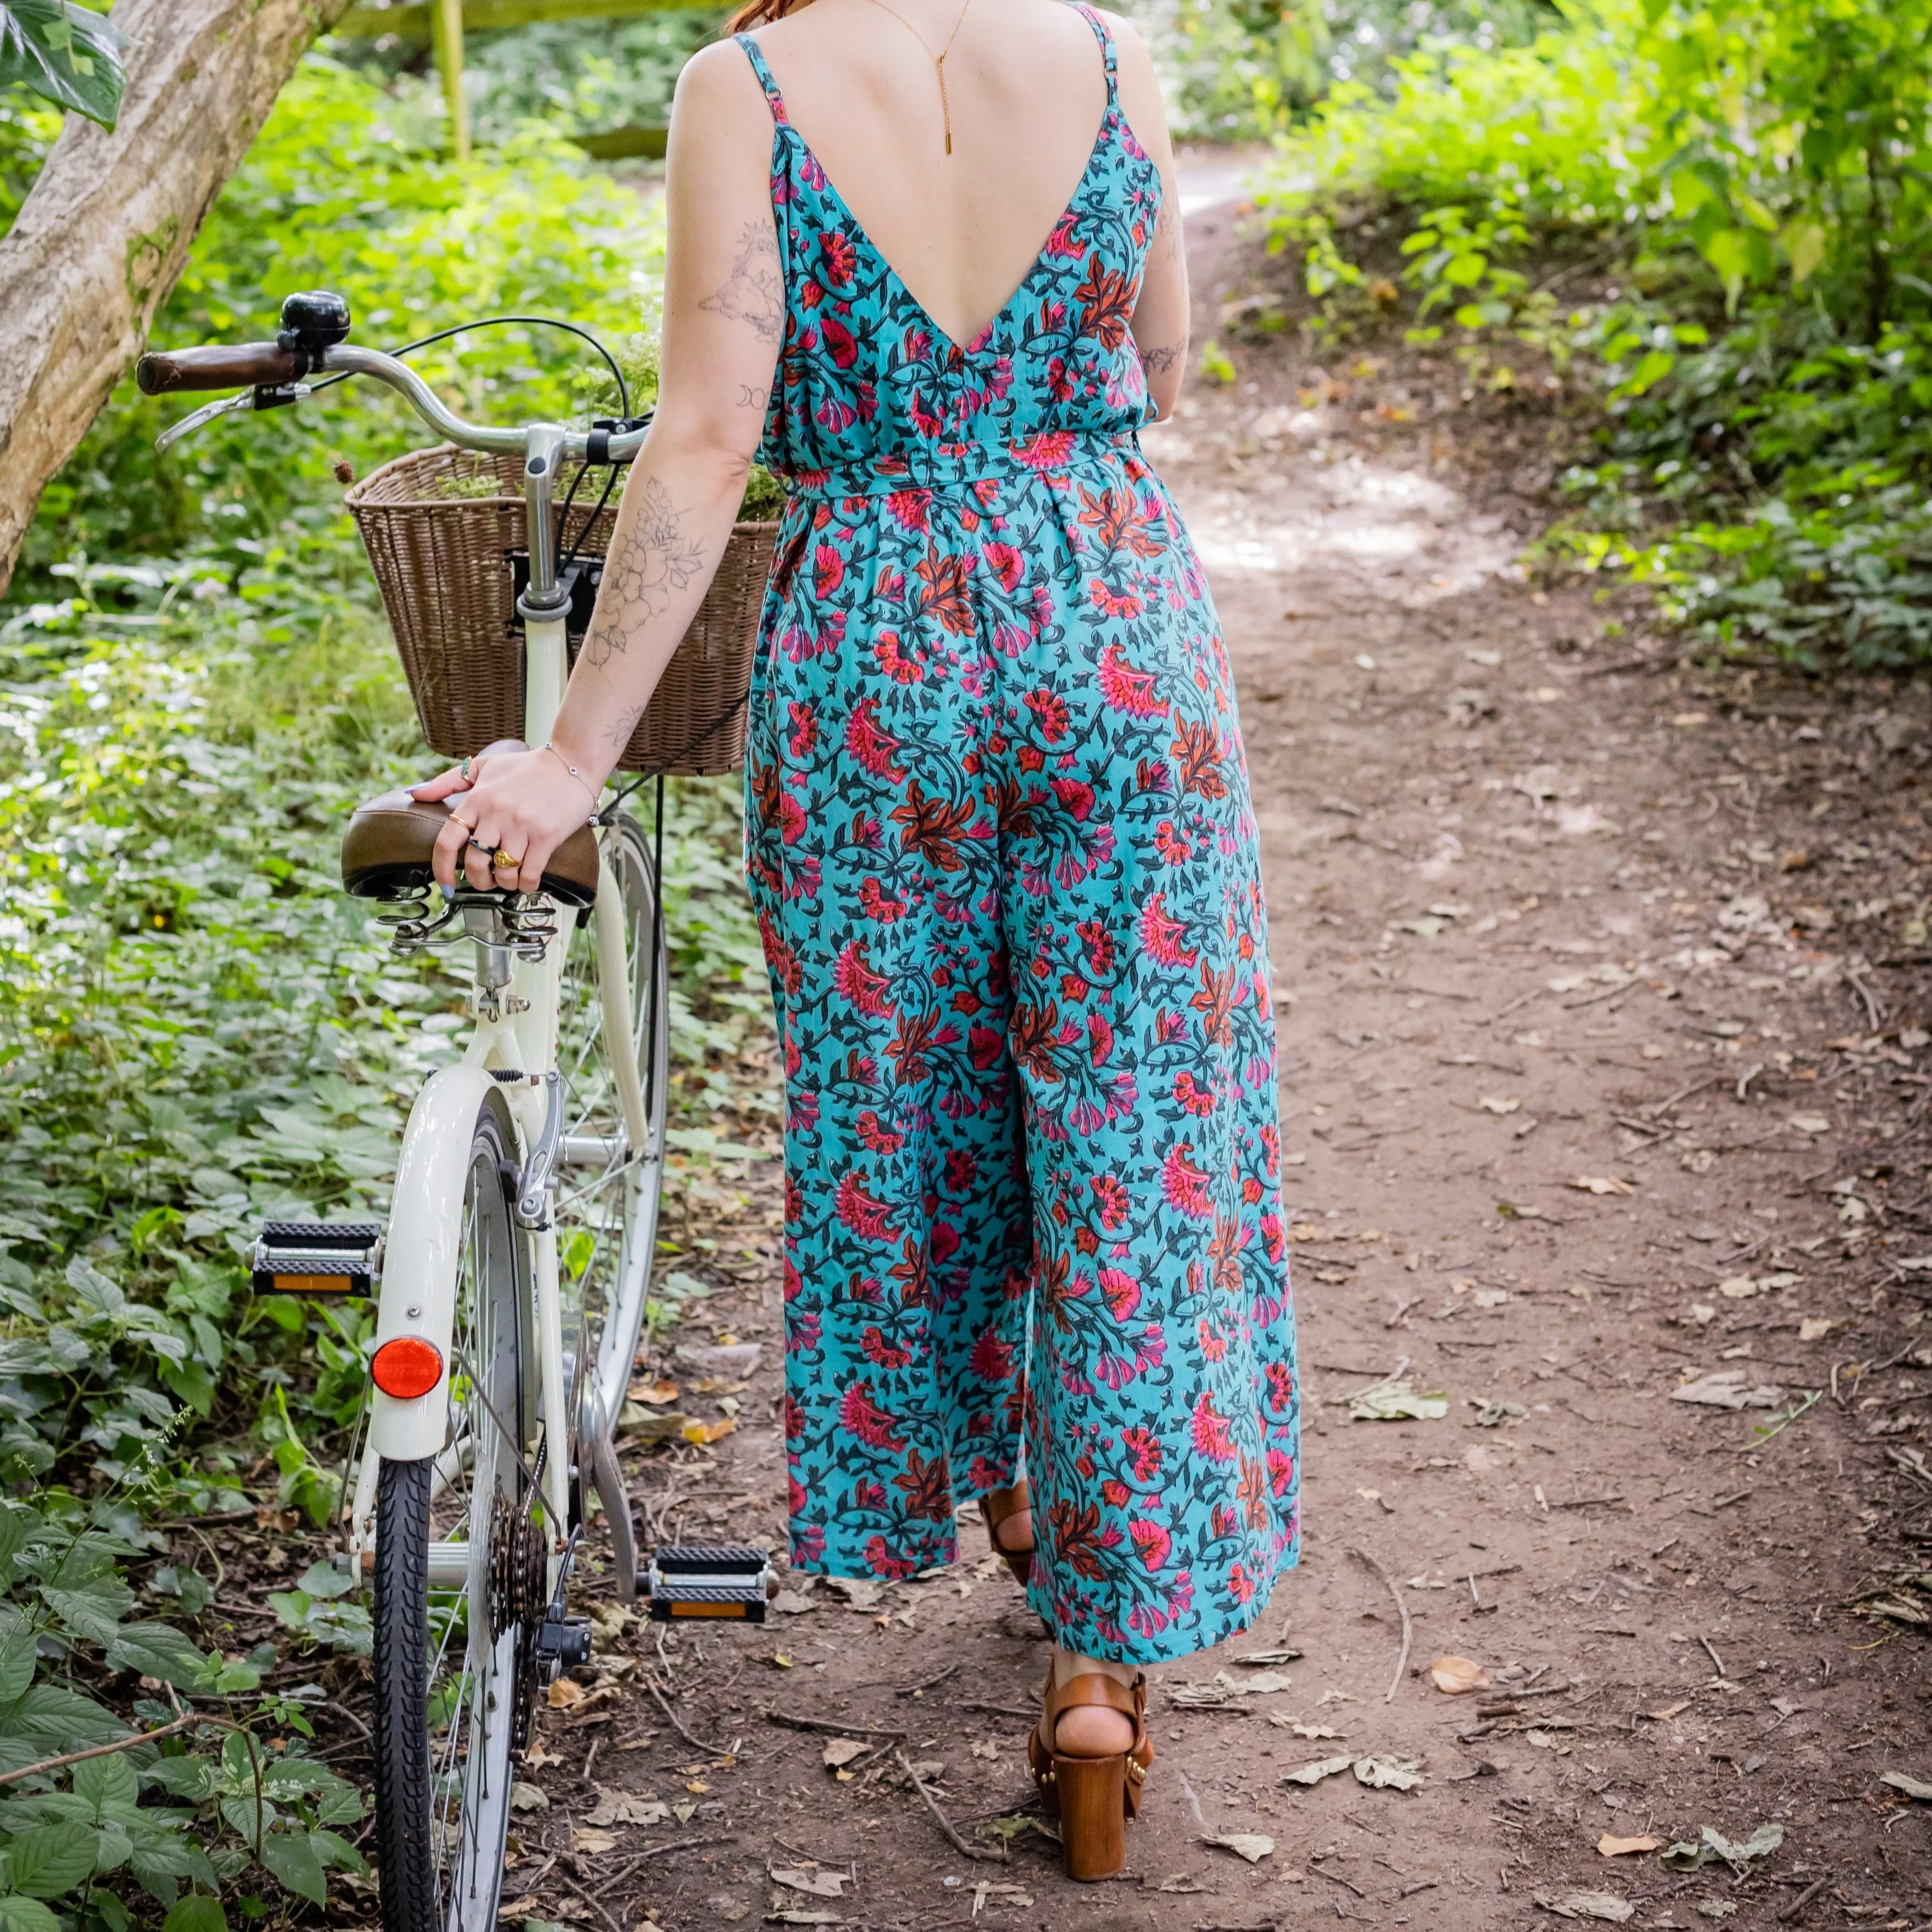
x,y
862,235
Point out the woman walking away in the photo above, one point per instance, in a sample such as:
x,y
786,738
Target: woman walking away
x,y
999,837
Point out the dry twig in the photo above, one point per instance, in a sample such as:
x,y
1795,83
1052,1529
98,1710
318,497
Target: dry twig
x,y
1407,1629
940,1818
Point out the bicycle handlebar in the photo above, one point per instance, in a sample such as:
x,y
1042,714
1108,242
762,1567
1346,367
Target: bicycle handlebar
x,y
264,364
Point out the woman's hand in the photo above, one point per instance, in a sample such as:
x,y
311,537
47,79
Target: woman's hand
x,y
515,806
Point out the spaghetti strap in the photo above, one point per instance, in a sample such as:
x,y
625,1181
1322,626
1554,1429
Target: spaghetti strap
x,y
1106,40
755,55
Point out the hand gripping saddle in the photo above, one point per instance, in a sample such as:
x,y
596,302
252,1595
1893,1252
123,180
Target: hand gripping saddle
x,y
386,849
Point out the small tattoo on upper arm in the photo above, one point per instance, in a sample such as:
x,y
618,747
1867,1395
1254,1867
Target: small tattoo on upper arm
x,y
751,396
755,291
653,561
1159,362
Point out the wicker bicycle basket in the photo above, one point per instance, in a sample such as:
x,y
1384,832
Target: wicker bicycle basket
x,y
445,533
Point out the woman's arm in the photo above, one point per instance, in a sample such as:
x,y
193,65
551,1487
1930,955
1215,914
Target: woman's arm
x,y
723,317
1161,316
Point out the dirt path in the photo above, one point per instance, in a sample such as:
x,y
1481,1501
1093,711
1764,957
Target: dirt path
x,y
1538,920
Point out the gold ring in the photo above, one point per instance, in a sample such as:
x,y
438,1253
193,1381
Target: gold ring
x,y
506,861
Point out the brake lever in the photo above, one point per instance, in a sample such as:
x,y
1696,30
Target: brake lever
x,y
246,399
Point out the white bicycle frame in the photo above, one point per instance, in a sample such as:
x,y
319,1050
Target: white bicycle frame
x,y
516,1031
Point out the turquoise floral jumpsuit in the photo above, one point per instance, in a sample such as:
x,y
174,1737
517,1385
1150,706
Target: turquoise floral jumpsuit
x,y
1005,864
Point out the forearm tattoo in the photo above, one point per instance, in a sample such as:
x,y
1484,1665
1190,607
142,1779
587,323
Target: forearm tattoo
x,y
654,560
755,291
1159,362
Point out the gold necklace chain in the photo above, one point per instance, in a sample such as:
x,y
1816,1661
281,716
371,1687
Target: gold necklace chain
x,y
938,59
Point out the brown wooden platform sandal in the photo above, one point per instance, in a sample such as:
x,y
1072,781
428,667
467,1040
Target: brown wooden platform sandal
x,y
996,1512
1092,1797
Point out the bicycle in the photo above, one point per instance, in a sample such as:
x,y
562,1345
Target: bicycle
x,y
511,1278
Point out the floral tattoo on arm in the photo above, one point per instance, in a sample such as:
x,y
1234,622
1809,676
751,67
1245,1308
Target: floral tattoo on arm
x,y
755,291
654,560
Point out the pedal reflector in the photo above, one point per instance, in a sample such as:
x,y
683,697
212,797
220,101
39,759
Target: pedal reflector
x,y
316,1257
699,1580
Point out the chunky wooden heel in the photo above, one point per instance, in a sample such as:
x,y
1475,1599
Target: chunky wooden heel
x,y
997,1510
1092,1797
1093,1814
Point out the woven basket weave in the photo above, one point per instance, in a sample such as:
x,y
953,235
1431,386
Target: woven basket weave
x,y
440,526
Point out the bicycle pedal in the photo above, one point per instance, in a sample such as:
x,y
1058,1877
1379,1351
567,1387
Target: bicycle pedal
x,y
695,1580
316,1257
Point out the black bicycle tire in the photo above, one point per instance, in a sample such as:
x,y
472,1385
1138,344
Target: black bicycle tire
x,y
407,1818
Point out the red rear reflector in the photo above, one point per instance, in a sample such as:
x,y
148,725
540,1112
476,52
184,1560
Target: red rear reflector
x,y
407,1367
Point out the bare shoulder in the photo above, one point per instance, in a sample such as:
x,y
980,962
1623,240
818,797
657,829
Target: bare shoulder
x,y
718,79
1140,86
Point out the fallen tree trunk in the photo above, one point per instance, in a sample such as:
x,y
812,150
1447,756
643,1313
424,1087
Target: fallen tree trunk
x,y
105,229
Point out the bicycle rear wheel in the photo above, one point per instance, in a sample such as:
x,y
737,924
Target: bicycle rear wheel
x,y
459,1591
606,1205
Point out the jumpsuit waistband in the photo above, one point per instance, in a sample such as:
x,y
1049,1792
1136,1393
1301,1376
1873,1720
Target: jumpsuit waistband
x,y
954,469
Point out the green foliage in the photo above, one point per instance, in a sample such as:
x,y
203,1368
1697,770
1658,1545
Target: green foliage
x,y
64,1597
197,1030
573,76
1238,69
1758,176
65,53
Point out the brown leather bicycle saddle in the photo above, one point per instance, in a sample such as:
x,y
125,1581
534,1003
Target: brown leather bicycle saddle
x,y
387,848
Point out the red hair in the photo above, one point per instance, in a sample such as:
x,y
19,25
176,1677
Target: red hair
x,y
756,13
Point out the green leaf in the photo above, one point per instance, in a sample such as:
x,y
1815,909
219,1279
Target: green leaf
x,y
16,1658
195,1912
292,1859
107,1783
157,1650
26,1915
325,1580
64,54
47,1720
94,1610
52,1858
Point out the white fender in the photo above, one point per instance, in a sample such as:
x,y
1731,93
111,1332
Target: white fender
x,y
420,1256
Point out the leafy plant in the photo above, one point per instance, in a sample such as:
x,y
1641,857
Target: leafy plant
x,y
66,54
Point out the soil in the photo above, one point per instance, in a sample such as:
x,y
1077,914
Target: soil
x,y
1603,1006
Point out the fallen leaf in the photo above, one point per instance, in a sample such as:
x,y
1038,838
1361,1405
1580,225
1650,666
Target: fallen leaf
x,y
1739,1287
1396,1402
1811,1123
1717,1908
987,1748
528,1797
656,1393
1669,1711
1252,1846
1285,1722
698,1785
1686,1856
566,1694
1395,1774
842,1750
1313,1773
1458,1676
624,1808
1262,1684
1252,1657
793,1603
1814,1328
1618,1848
1493,1103
684,1810
700,1431
860,1593
1911,1787
781,1660
1726,1388
1602,1184
819,1883
1586,1905
596,1843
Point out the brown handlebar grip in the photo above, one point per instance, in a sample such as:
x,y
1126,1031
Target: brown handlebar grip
x,y
238,367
